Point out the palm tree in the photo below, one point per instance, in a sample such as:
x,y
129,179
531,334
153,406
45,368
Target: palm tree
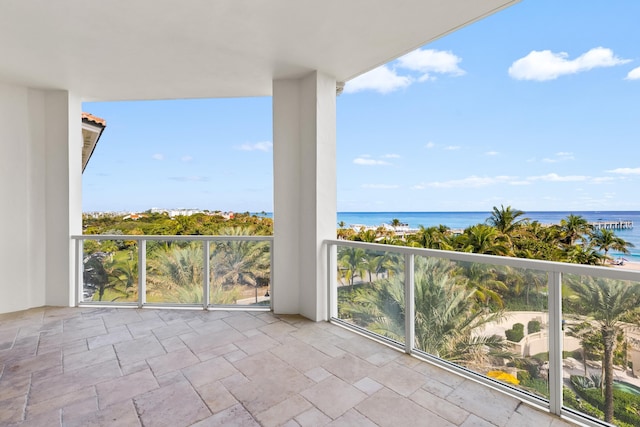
x,y
605,240
431,237
237,263
583,254
351,262
447,320
483,239
506,220
607,302
573,228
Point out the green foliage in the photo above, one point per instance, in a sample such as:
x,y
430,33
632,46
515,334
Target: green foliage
x,y
533,326
516,333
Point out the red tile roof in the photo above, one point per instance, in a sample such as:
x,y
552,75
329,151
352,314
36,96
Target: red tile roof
x,y
94,119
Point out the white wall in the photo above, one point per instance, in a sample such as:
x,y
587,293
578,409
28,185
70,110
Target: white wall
x,y
38,211
304,152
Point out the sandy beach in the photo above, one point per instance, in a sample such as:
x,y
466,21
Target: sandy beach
x,y
635,266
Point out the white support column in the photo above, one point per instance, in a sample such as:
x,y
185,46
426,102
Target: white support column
x,y
304,157
63,192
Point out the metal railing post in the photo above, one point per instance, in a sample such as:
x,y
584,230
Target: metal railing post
x,y
207,273
332,274
79,288
555,342
409,303
142,273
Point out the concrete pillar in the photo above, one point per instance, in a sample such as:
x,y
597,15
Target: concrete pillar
x,y
304,159
63,200
40,190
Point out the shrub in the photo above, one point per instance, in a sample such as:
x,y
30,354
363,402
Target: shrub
x,y
516,333
533,326
581,382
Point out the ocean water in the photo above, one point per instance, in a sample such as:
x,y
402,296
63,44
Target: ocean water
x,y
460,220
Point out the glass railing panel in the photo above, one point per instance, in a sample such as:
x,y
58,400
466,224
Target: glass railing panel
x,y
240,273
487,318
371,291
601,347
175,272
110,271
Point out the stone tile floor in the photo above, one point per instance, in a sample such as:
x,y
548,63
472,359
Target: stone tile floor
x,y
131,367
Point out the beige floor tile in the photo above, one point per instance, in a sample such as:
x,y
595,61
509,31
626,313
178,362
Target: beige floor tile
x,y
333,396
113,337
209,371
12,409
176,360
300,355
119,414
69,382
244,321
486,403
282,412
313,418
88,358
475,421
211,368
368,386
349,367
139,349
24,366
352,418
56,400
216,396
125,388
318,374
439,406
235,416
387,408
185,406
174,329
257,343
526,416
398,378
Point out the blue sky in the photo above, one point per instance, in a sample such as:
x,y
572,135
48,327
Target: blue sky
x,y
536,107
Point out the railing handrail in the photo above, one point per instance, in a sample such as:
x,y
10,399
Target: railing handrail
x,y
533,264
170,237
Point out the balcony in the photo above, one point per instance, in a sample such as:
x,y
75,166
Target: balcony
x,y
153,367
536,368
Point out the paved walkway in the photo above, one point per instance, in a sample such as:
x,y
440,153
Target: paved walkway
x,y
131,367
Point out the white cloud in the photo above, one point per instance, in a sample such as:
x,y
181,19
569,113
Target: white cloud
x,y
626,171
258,146
634,74
186,159
469,182
560,157
380,186
452,148
430,145
422,64
546,65
381,79
554,177
491,153
365,161
601,179
158,156
391,156
431,61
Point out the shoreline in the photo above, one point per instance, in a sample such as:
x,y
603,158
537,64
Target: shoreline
x,y
628,265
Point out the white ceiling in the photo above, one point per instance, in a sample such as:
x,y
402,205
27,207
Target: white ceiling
x,y
164,49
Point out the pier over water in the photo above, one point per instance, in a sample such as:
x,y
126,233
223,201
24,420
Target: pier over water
x,y
612,225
